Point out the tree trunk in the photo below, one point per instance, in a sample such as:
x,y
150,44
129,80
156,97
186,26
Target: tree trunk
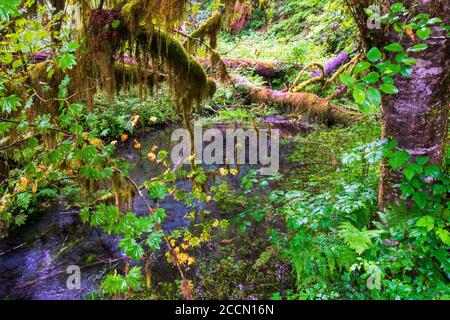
x,y
417,117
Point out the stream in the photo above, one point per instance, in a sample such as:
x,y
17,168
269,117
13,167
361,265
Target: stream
x,y
35,257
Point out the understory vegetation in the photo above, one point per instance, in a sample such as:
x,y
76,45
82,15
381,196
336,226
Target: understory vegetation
x,y
91,92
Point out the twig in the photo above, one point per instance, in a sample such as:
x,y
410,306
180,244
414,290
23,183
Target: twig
x,y
34,126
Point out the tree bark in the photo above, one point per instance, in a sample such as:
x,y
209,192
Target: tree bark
x,y
417,117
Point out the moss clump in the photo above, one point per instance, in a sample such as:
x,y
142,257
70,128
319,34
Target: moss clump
x,y
153,52
161,13
210,28
187,78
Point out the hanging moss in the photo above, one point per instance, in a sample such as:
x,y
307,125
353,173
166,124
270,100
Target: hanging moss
x,y
210,29
163,13
187,78
153,51
104,38
132,74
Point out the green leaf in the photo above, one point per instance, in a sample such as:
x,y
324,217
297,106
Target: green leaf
x,y
397,7
158,216
154,240
414,167
66,60
362,66
85,215
134,277
398,159
372,77
10,103
406,71
347,79
420,198
359,95
358,240
374,97
426,222
409,174
162,155
401,57
424,33
394,47
24,199
407,189
439,189
113,284
131,248
387,79
391,69
115,24
389,88
418,47
422,160
434,21
158,191
374,55
432,171
444,235
70,46
9,8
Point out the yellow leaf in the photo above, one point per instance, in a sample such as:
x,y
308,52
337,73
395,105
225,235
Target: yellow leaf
x,y
23,183
137,145
134,120
151,156
191,261
96,142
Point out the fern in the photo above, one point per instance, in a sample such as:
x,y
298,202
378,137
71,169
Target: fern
x,y
358,240
318,259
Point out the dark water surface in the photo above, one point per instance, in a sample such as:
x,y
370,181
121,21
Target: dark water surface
x,y
35,257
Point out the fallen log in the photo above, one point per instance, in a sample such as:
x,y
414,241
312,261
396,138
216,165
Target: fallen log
x,y
315,107
333,64
271,69
268,69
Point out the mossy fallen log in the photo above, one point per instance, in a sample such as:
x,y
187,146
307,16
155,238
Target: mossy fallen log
x,y
313,106
268,69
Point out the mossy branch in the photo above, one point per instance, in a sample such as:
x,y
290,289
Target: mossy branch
x,y
298,88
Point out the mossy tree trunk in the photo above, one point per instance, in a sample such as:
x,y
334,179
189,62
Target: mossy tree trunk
x,y
417,117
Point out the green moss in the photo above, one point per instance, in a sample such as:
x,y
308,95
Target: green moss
x,y
187,78
210,28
